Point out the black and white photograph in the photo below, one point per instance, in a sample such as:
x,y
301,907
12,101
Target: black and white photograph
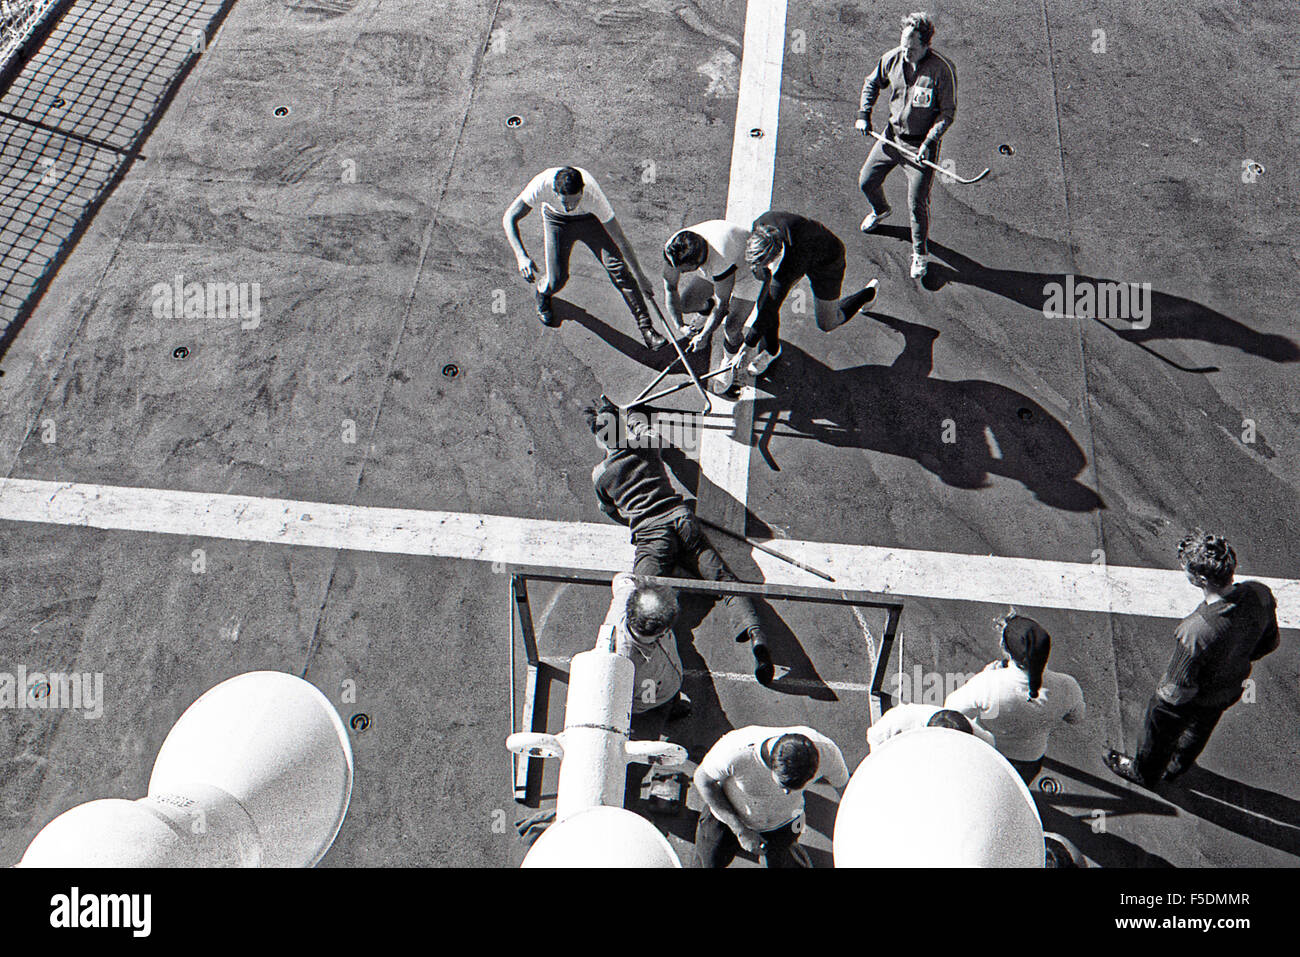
x,y
494,435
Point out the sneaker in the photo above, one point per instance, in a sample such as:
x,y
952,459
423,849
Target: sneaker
x,y
918,266
653,341
544,310
874,219
725,381
762,361
873,288
1122,766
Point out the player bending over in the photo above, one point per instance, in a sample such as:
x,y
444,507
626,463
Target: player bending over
x,y
782,249
752,782
633,488
574,209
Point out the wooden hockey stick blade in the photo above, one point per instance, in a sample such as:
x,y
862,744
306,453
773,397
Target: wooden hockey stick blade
x,y
916,158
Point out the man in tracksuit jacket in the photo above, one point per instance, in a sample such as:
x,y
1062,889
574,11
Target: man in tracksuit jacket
x,y
922,102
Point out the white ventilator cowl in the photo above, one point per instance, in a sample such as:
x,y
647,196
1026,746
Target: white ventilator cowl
x,y
935,797
256,772
602,837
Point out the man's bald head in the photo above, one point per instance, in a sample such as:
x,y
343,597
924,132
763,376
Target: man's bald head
x,y
651,610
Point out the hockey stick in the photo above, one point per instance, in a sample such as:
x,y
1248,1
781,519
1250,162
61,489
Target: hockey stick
x,y
763,548
916,158
1201,370
708,402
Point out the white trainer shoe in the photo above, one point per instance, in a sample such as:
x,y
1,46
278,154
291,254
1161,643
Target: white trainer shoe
x,y
918,266
874,219
762,361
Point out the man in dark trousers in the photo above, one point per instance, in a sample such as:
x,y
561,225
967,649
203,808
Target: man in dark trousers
x,y
922,103
1232,628
782,249
574,209
633,488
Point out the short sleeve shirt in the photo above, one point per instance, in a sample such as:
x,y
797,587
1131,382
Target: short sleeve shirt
x,y
998,699
726,247
540,191
759,801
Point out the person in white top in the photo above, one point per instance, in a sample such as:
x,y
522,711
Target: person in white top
x,y
902,718
1017,698
716,251
639,626
752,783
574,209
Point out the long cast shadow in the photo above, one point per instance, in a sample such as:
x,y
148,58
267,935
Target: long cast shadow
x,y
963,431
1172,317
1256,813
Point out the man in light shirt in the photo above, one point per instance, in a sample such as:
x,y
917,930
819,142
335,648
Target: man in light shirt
x,y
902,718
574,209
1018,699
714,250
639,626
752,782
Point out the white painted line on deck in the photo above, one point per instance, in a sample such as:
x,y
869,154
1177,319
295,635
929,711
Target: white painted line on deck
x,y
1030,582
724,455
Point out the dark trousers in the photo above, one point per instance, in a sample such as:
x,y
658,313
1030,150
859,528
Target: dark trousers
x,y
880,161
646,726
716,845
1028,770
561,234
681,542
1173,737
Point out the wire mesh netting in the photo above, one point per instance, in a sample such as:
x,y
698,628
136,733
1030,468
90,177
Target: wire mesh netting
x,y
73,118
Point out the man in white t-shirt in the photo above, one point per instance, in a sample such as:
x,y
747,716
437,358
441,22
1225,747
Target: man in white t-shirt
x,y
714,249
902,718
752,783
1018,698
574,209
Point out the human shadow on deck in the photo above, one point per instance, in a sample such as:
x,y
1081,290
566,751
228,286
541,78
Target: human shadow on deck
x,y
1171,317
1263,816
961,430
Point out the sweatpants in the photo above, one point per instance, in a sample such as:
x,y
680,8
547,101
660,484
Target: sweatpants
x,y
871,180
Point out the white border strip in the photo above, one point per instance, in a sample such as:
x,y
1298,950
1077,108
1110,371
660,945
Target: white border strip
x,y
535,543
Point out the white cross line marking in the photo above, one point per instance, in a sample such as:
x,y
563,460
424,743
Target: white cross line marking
x,y
797,684
1028,582
724,456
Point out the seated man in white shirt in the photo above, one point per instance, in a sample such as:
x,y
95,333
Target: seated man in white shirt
x,y
1018,699
902,718
752,783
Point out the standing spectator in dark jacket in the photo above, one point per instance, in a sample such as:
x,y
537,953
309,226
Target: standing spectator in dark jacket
x,y
1232,628
633,488
922,89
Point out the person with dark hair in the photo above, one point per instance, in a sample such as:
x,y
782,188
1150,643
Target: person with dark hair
x,y
1018,699
913,716
922,105
782,249
715,250
574,209
639,626
752,783
633,489
1216,646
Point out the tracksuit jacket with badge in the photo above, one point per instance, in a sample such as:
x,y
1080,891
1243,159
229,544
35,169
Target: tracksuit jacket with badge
x,y
928,103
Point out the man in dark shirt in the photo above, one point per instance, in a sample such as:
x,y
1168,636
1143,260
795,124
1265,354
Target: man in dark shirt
x,y
782,249
922,88
1217,643
633,488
